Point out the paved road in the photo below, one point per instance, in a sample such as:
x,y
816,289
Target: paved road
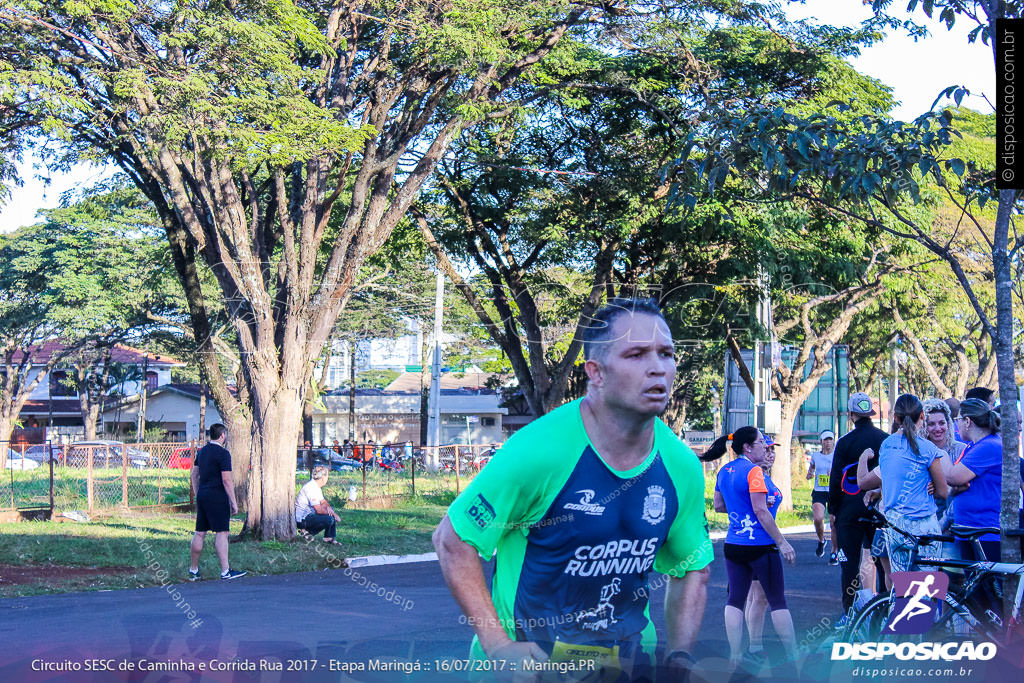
x,y
360,616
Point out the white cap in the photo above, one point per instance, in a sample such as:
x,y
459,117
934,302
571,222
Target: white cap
x,y
828,434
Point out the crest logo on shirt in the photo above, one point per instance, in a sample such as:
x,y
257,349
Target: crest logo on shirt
x,y
654,505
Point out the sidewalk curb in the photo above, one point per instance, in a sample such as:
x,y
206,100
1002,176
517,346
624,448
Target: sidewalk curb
x,y
379,560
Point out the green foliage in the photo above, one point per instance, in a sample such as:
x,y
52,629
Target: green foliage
x,y
375,379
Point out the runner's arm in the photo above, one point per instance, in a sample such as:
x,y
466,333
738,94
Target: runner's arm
x,y
938,479
464,575
685,598
960,475
835,489
759,501
810,470
194,476
719,502
867,479
229,488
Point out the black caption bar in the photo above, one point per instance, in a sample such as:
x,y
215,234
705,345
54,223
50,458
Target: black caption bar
x,y
1009,124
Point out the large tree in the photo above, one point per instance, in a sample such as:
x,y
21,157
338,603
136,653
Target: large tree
x,y
66,289
890,176
280,143
566,205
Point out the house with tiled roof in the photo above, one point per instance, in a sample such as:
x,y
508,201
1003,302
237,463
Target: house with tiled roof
x,y
175,406
54,402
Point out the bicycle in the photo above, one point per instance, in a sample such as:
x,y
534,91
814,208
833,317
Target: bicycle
x,y
868,623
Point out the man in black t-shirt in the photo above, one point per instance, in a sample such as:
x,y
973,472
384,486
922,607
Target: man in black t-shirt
x,y
846,501
215,500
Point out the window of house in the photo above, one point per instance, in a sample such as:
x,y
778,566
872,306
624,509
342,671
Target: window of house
x,y
152,380
59,385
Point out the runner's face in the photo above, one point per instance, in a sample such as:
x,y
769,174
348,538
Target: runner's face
x,y
936,426
757,452
827,445
639,367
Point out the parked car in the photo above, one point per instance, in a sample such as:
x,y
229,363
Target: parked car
x,y
42,453
180,459
16,462
107,454
325,456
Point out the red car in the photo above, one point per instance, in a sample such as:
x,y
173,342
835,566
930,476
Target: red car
x,y
181,459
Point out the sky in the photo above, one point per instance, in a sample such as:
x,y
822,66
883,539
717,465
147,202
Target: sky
x,y
917,73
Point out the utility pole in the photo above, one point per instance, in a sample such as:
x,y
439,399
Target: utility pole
x,y
894,383
434,413
352,392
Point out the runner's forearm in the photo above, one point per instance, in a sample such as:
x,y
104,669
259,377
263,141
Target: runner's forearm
x,y
229,486
685,599
464,575
769,525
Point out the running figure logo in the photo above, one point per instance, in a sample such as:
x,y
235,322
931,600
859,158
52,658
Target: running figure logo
x,y
746,527
917,596
603,615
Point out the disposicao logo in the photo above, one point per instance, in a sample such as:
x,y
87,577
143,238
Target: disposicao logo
x,y
918,595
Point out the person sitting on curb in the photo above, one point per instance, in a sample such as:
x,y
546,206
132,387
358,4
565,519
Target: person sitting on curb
x,y
313,513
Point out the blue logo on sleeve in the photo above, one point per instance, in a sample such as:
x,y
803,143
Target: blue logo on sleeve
x,y
481,512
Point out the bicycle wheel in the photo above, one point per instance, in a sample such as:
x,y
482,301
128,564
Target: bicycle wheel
x,y
867,624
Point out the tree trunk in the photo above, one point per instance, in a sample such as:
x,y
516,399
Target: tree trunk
x,y
202,411
6,428
782,470
307,421
92,418
271,494
1007,384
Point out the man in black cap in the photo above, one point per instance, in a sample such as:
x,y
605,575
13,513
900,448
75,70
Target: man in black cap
x,y
845,499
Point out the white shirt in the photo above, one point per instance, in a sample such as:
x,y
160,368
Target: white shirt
x,y
309,495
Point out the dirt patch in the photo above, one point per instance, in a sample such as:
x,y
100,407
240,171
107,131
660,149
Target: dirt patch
x,y
11,575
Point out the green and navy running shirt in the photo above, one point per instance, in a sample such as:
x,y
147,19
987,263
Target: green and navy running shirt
x,y
576,540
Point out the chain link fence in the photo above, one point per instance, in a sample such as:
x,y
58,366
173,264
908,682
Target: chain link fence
x,y
92,476
379,472
98,476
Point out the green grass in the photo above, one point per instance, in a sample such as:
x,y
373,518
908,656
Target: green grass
x,y
145,487
152,543
800,514
143,544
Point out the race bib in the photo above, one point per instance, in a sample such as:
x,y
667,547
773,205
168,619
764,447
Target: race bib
x,y
822,480
606,658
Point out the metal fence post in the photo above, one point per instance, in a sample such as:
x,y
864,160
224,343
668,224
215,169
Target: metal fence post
x,y
88,480
412,465
49,449
458,452
364,471
124,475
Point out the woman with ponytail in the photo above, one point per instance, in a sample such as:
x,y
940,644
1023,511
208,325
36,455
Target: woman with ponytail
x,y
754,544
906,465
980,468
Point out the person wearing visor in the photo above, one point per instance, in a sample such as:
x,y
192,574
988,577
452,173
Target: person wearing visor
x,y
818,472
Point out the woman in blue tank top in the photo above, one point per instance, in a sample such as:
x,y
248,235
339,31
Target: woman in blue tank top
x,y
754,547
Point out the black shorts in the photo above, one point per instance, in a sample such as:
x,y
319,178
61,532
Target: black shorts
x,y
819,497
213,511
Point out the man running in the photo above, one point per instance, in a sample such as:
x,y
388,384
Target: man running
x,y
845,501
819,471
579,506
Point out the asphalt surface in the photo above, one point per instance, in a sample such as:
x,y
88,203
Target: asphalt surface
x,y
346,620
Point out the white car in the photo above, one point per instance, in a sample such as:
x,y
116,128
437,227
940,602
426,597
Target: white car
x,y
16,462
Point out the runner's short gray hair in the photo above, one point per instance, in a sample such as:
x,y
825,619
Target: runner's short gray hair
x,y
319,472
